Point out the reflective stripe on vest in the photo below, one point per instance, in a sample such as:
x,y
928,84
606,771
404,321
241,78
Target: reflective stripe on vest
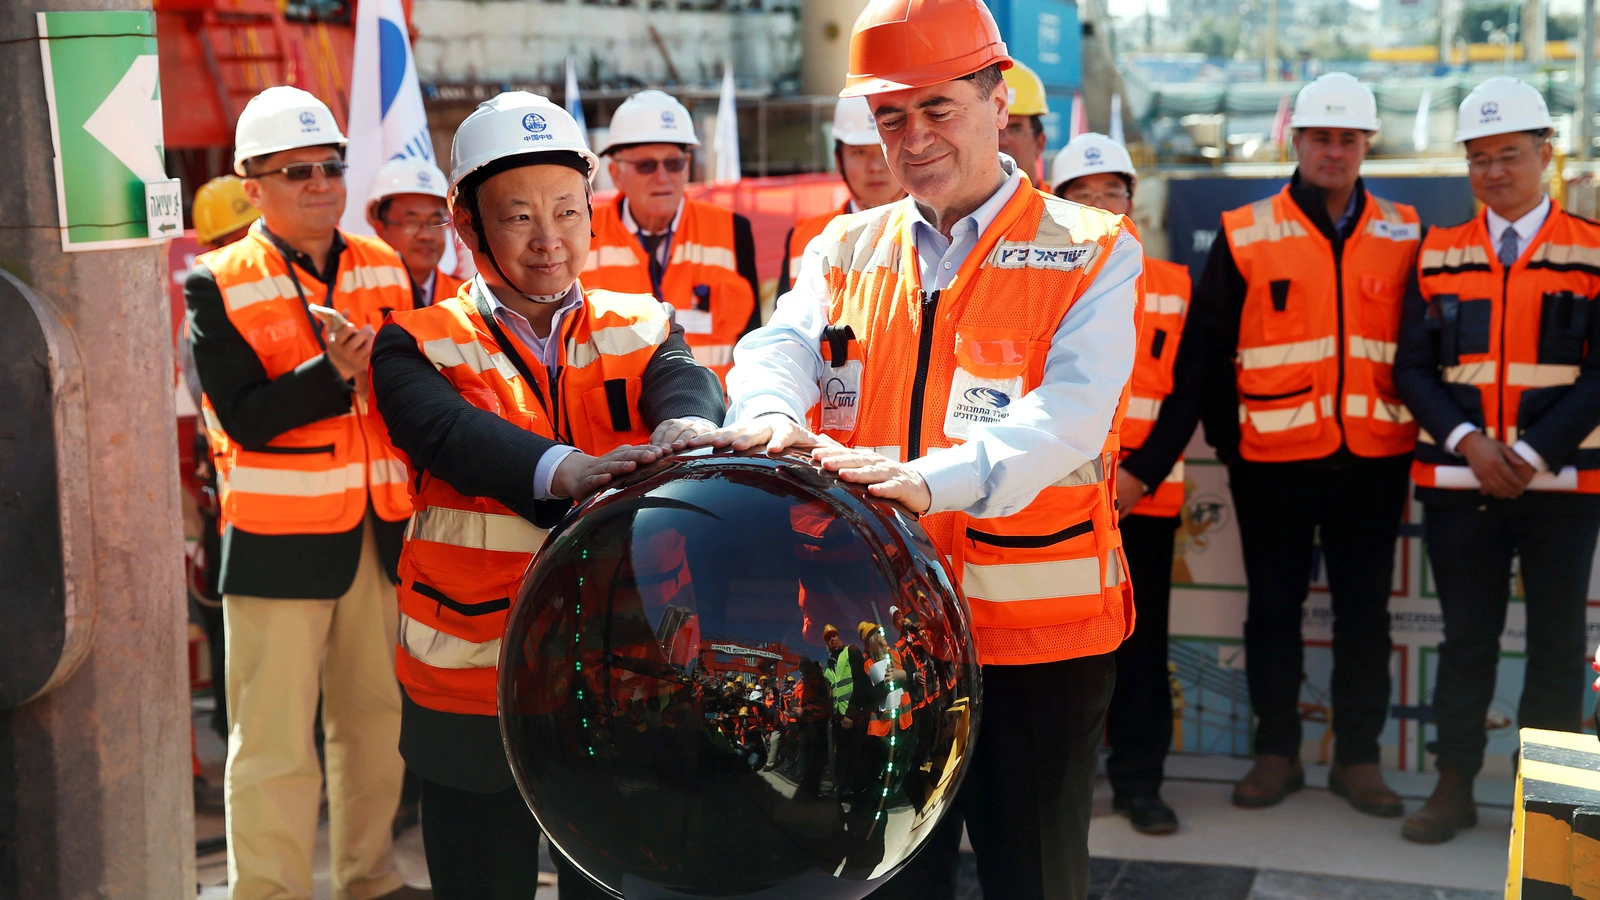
x,y
317,478
1166,310
1511,343
475,530
703,261
1024,274
841,681
464,556
1313,333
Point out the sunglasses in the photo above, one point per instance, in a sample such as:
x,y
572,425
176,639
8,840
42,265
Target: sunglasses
x,y
302,171
648,166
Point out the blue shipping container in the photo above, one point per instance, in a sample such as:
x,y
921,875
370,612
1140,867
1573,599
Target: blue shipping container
x,y
1046,36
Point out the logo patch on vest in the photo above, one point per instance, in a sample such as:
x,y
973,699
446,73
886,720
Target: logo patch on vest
x,y
978,401
841,396
1024,255
1404,231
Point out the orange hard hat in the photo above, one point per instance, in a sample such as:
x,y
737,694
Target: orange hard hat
x,y
900,44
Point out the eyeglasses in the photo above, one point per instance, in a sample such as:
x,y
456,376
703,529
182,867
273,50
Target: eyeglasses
x,y
414,225
648,166
1506,160
302,171
1096,198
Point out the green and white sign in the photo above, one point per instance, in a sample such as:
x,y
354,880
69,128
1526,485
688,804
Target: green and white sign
x,y
104,87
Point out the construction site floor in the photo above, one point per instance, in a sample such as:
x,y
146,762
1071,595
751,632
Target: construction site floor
x,y
1311,847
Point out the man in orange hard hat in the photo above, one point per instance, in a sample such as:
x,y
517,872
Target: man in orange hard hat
x,y
976,341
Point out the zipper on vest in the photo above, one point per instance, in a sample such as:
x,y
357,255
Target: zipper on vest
x,y
293,451
919,385
1338,393
1500,376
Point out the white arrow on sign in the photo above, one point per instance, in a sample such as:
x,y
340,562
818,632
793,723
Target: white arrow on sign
x,y
128,121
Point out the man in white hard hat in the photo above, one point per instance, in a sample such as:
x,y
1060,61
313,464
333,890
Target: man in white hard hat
x,y
406,208
1163,410
1023,138
498,452
313,505
651,239
1497,360
858,155
968,350
1301,305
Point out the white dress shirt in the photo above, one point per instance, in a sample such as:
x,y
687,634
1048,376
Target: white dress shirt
x,y
664,248
1050,432
547,352
425,289
1525,227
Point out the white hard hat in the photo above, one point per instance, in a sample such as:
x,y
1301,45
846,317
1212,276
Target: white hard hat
x,y
1336,100
1501,105
407,175
651,117
282,118
853,124
514,123
1090,154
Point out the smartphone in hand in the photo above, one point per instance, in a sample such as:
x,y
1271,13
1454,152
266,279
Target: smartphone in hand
x,y
331,319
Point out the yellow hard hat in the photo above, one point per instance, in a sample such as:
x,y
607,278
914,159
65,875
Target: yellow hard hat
x,y
220,208
865,630
1027,91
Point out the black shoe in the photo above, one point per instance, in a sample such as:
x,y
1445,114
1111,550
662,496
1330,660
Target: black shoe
x,y
1148,815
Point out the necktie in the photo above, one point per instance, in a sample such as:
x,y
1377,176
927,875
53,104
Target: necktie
x,y
1508,247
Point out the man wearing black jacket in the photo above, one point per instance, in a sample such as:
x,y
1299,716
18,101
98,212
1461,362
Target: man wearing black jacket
x,y
313,505
506,400
1299,302
1497,360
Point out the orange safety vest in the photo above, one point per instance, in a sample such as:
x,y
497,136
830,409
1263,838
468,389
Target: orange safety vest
x,y
804,232
315,479
1317,337
1166,306
1511,342
464,556
883,722
446,285
1048,582
713,302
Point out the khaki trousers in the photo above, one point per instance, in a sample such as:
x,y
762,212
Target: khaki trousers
x,y
280,652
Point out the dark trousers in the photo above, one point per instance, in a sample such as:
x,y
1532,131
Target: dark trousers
x,y
1470,551
1355,509
486,847
1139,722
1025,801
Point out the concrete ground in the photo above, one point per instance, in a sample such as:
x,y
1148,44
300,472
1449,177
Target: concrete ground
x,y
1312,847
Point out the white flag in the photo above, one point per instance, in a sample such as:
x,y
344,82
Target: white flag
x,y
1116,119
1419,131
726,143
387,119
574,102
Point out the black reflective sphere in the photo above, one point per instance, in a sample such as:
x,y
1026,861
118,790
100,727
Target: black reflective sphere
x,y
673,711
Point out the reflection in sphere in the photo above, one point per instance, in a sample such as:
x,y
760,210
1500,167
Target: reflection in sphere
x,y
672,708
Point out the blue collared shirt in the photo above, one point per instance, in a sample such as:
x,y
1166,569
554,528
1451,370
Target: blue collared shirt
x,y
1051,430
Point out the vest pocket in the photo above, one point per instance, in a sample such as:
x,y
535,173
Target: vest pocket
x,y
1026,570
1563,327
1282,312
991,374
1380,307
611,413
1280,401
